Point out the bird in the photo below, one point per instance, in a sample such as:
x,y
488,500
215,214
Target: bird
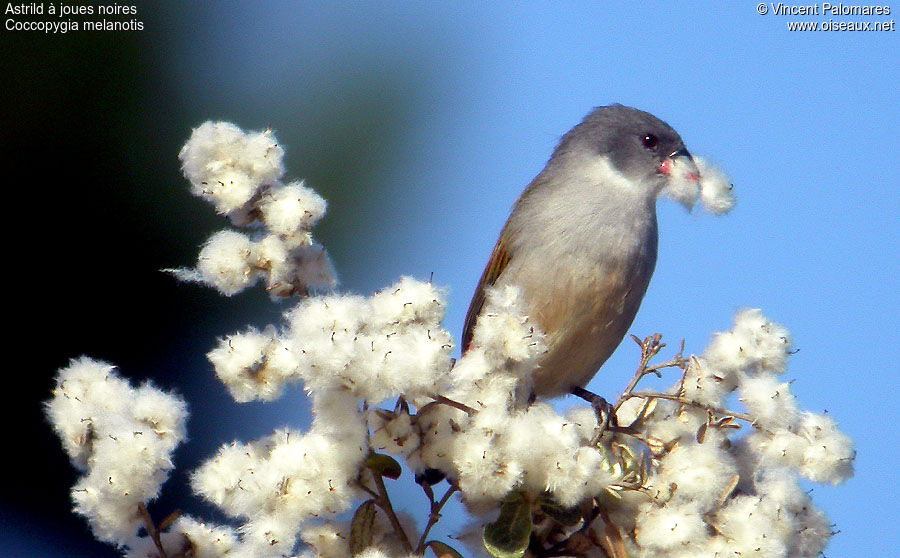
x,y
581,241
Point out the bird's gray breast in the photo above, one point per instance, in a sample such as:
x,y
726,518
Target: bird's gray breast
x,y
583,269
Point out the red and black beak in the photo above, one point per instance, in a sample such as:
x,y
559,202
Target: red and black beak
x,y
680,162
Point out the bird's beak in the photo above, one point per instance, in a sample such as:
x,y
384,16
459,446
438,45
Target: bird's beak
x,y
680,163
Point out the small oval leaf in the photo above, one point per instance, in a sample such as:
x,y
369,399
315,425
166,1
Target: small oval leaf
x,y
442,550
384,465
508,537
361,528
562,515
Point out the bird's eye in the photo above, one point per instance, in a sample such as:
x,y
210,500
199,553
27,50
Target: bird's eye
x,y
649,141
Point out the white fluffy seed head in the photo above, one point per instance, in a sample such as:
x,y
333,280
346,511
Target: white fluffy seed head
x,y
121,437
661,530
701,472
705,384
505,334
287,209
410,300
769,401
755,345
84,389
227,166
682,185
829,455
256,365
240,174
226,262
716,189
378,347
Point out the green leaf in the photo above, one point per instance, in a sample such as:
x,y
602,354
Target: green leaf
x,y
361,528
442,550
508,537
562,515
384,465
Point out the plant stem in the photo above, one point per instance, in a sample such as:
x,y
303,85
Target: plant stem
x,y
692,403
151,529
650,347
384,502
440,399
435,514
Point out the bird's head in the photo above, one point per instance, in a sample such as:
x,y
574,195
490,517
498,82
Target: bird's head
x,y
639,146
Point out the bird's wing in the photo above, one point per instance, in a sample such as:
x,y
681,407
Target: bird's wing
x,y
495,266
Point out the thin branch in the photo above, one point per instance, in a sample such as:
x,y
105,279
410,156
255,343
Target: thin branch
x,y
384,502
692,403
435,514
151,529
441,400
650,347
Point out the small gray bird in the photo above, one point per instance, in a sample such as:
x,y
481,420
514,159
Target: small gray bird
x,y
581,240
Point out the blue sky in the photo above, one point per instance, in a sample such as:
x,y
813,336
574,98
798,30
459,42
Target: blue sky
x,y
805,123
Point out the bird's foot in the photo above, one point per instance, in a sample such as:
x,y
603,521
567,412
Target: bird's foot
x,y
606,413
